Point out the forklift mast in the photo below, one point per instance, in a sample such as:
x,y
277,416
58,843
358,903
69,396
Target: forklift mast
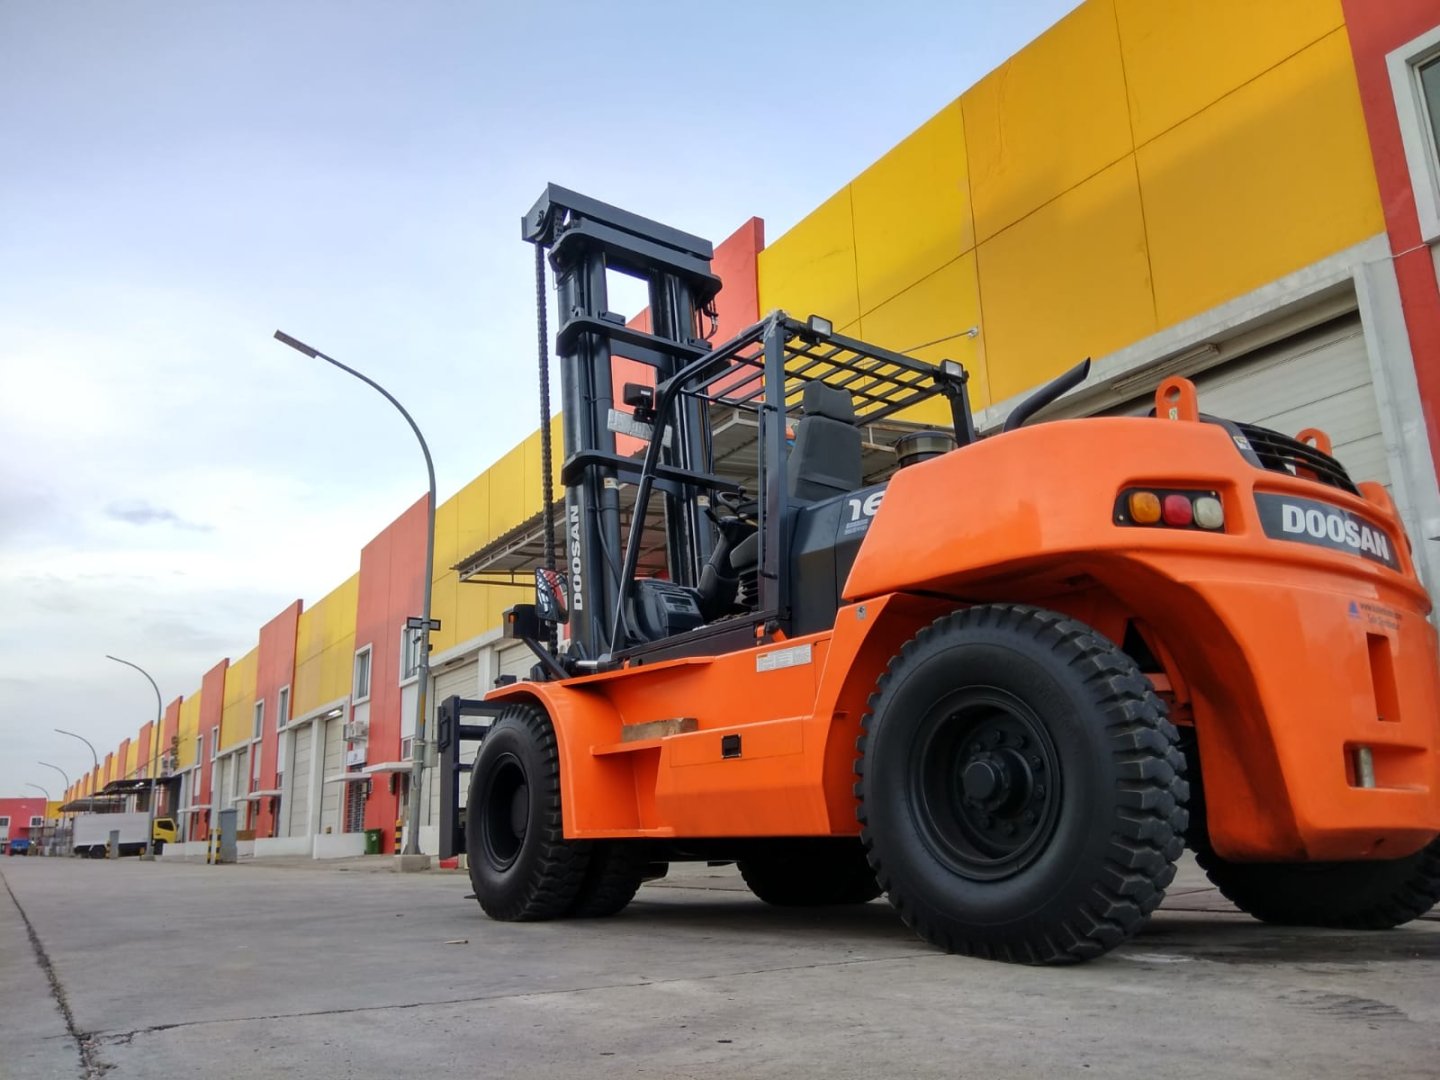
x,y
585,240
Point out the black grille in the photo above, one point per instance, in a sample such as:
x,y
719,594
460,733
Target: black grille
x,y
1281,453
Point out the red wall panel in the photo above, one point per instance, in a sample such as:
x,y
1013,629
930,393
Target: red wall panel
x,y
1375,30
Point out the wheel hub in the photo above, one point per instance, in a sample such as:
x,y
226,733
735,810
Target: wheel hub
x,y
989,794
506,816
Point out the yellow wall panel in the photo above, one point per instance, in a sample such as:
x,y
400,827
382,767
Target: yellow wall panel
x,y
811,269
1182,55
443,600
928,321
507,493
1070,281
912,209
447,534
132,755
1050,116
474,516
325,649
1270,179
189,729
238,719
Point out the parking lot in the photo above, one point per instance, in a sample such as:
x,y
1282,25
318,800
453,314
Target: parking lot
x,y
126,969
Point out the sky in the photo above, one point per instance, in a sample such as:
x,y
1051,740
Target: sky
x,y
179,180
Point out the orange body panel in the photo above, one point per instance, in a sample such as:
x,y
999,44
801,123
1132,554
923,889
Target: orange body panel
x,y
1286,655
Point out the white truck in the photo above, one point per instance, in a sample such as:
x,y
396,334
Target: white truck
x,y
92,833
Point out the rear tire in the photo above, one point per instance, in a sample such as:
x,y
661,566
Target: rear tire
x,y
521,866
614,876
806,874
1362,895
1022,796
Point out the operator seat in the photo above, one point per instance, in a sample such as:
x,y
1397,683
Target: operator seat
x,y
825,460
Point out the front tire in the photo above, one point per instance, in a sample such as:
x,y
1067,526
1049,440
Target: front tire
x,y
521,866
1021,792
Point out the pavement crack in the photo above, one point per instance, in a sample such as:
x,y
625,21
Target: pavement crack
x,y
91,1067
123,1038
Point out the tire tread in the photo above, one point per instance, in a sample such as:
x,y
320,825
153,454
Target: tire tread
x,y
1151,794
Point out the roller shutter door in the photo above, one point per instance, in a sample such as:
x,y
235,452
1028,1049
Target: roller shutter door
x,y
517,661
297,823
334,765
224,790
1320,378
240,778
463,679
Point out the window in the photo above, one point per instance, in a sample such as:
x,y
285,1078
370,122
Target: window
x,y
410,645
1415,82
282,708
4,822
355,807
259,728
407,748
199,750
214,743
1428,73
362,674
37,822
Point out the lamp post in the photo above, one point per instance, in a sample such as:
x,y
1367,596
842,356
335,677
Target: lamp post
x,y
94,757
155,734
66,777
422,667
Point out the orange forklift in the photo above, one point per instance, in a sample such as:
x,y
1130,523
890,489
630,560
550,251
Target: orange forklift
x,y
1003,682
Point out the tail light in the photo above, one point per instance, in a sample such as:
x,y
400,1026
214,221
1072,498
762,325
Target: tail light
x,y
1167,508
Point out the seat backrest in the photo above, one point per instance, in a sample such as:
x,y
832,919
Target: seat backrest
x,y
825,459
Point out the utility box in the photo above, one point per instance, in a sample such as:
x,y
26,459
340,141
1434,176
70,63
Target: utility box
x,y
226,853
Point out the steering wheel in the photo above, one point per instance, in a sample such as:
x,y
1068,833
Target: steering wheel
x,y
738,508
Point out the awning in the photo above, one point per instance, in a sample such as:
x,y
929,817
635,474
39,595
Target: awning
x,y
347,778
511,559
194,809
389,767
256,796
94,804
133,786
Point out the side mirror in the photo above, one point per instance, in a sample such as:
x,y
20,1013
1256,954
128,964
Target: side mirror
x,y
552,596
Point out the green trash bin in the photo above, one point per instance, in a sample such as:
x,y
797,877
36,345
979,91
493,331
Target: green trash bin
x,y
372,841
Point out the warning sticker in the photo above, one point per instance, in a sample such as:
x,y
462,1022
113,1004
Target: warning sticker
x,y
775,659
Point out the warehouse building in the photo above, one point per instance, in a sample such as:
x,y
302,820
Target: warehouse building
x,y
1246,194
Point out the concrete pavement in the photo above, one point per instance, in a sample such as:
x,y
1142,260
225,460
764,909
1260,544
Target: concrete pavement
x,y
335,971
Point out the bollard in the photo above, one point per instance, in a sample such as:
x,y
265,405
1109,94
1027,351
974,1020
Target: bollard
x,y
112,849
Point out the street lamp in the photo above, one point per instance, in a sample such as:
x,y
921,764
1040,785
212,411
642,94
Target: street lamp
x,y
154,735
422,668
94,757
57,769
66,777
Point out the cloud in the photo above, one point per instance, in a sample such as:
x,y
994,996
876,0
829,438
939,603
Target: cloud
x,y
139,512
